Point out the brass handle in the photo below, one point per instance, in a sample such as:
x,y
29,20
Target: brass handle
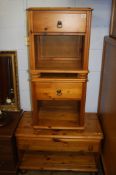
x,y
59,92
59,24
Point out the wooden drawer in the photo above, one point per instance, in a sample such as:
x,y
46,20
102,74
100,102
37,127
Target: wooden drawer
x,y
7,155
58,144
7,172
6,147
57,90
7,164
47,21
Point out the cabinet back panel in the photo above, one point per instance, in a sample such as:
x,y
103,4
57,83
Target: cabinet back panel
x,y
54,48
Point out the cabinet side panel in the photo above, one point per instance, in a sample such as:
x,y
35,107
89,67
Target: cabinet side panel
x,y
107,105
113,20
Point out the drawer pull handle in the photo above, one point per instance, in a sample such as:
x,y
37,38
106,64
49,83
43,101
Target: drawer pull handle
x,y
59,24
59,92
45,28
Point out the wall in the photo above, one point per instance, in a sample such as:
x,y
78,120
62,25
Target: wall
x,y
100,28
13,37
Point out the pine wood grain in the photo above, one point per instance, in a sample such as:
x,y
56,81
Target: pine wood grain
x,y
58,161
58,43
87,140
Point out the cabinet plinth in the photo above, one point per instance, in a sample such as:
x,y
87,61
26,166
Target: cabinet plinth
x,y
52,149
58,48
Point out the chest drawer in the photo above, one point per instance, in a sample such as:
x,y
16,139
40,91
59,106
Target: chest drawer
x,y
57,90
58,144
7,159
59,22
7,165
6,147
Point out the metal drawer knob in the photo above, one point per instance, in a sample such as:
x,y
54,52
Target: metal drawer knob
x,y
59,92
59,24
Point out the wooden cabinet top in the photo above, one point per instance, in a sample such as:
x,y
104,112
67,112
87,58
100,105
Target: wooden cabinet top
x,y
92,129
58,9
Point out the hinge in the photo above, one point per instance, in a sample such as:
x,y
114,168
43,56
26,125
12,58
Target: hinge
x,y
27,43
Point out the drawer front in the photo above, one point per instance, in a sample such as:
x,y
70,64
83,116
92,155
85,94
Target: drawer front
x,y
8,164
7,172
59,22
7,155
57,144
57,90
6,147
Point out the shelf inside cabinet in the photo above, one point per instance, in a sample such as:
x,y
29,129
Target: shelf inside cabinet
x,y
58,161
58,75
58,115
58,52
59,66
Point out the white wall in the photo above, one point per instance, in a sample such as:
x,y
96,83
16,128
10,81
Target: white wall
x,y
100,28
13,33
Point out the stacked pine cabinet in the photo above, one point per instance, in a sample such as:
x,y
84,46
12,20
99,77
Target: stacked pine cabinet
x,y
59,48
62,136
